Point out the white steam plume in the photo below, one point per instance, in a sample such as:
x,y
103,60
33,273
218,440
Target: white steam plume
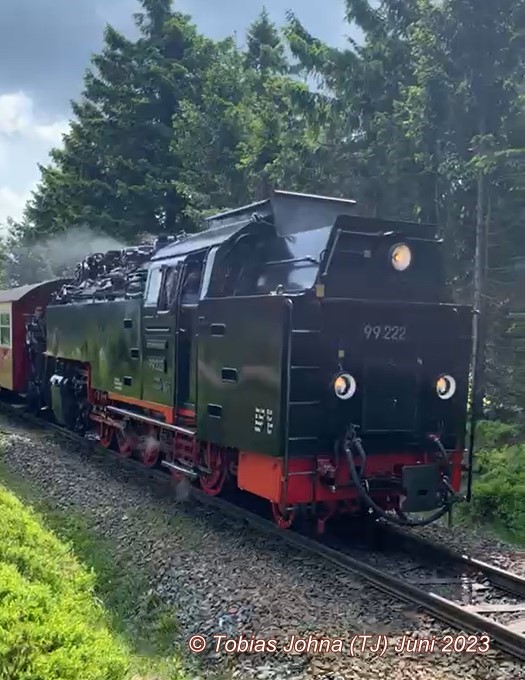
x,y
69,248
57,255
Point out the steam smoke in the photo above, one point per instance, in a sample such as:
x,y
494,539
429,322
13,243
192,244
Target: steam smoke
x,y
151,443
73,246
182,490
57,255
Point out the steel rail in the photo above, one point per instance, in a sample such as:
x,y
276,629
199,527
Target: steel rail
x,y
500,578
447,611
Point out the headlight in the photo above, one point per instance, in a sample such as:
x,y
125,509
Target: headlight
x,y
345,386
446,387
401,257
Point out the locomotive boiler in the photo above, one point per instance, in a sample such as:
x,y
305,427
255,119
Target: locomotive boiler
x,y
294,349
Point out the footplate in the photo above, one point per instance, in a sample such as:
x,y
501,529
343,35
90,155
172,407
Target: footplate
x,y
423,486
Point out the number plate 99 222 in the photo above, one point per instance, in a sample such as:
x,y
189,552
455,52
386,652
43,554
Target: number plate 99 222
x,y
389,333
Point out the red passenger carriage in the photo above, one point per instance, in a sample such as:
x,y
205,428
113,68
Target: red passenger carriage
x,y
15,305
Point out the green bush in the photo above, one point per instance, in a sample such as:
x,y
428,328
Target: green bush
x,y
499,483
51,626
493,434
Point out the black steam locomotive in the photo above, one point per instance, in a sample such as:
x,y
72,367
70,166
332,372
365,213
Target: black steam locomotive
x,y
305,354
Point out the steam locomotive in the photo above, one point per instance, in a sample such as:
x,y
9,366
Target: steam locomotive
x,y
293,349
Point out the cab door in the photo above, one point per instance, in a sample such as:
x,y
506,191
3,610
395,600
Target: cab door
x,y
159,341
187,346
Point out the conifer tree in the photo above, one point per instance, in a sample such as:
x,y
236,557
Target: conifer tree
x,y
265,50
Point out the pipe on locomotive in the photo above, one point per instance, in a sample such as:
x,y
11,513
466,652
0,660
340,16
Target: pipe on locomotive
x,y
351,442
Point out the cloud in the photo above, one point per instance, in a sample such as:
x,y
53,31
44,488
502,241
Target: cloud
x,y
17,118
14,113
53,132
25,141
12,205
46,45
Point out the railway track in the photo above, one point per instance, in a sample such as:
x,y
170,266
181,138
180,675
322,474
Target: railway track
x,y
504,580
474,619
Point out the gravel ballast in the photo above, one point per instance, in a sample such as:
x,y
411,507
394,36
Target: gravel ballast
x,y
224,578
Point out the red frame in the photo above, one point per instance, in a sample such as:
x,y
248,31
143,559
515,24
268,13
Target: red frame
x,y
264,475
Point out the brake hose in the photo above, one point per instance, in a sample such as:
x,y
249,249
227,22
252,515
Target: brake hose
x,y
353,441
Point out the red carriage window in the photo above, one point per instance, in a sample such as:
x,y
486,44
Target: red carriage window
x,y
5,329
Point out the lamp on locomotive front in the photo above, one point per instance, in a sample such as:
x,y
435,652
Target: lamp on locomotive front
x,y
345,386
401,257
446,387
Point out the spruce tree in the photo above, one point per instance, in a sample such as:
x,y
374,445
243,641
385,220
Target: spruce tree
x,y
265,50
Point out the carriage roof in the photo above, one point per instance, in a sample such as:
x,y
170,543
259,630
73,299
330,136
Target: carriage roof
x,y
20,292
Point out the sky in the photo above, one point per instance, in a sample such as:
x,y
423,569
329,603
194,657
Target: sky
x,y
45,48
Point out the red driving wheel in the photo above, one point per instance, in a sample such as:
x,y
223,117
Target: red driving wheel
x,y
215,460
125,443
283,517
105,435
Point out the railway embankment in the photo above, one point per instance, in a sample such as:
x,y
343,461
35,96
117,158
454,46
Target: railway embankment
x,y
167,570
51,625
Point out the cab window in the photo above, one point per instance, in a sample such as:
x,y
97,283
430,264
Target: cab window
x,y
247,262
192,281
169,288
154,281
235,271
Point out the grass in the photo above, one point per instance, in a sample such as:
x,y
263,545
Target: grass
x,y
131,617
51,625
